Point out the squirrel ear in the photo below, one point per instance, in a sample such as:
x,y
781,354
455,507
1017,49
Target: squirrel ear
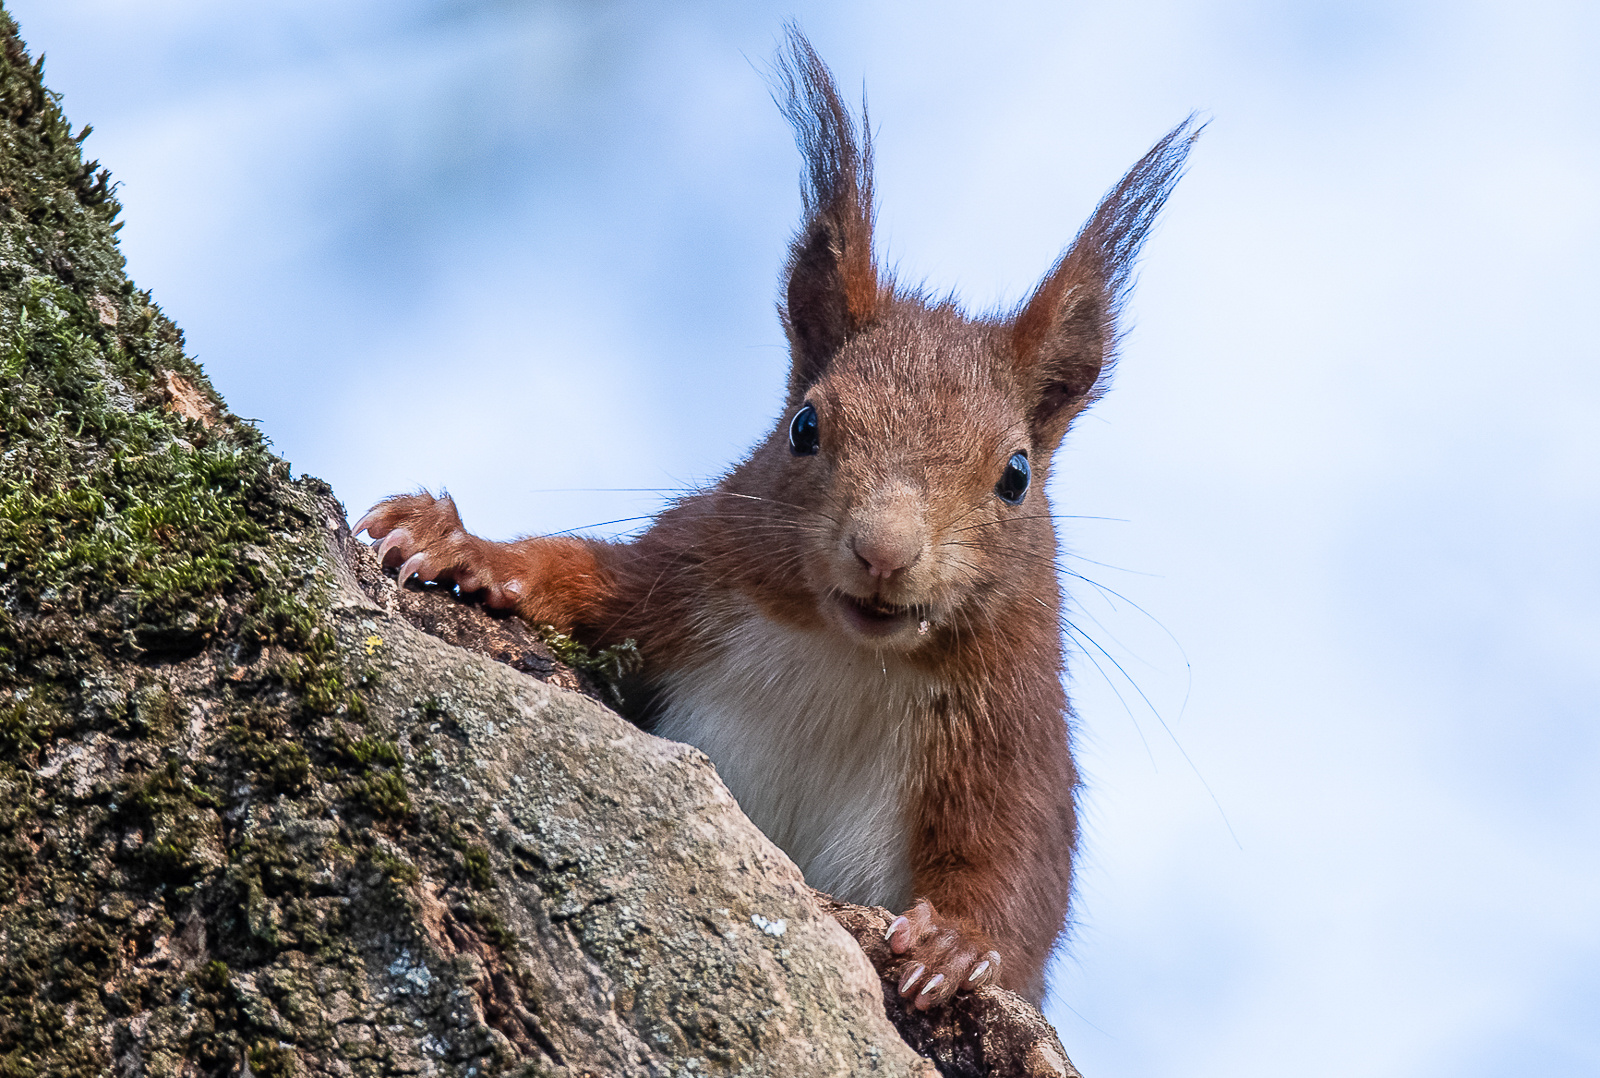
x,y
831,288
1064,337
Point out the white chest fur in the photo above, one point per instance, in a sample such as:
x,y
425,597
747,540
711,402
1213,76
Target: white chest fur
x,y
819,740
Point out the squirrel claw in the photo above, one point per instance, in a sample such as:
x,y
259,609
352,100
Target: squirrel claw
x,y
930,992
416,564
361,525
942,956
395,538
503,596
421,536
911,978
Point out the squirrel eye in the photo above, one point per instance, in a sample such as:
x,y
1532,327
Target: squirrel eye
x,y
803,440
1013,485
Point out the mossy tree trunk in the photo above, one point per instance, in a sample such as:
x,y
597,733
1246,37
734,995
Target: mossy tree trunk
x,y
252,822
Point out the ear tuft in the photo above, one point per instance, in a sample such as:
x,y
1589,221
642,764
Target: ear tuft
x,y
1064,337
832,287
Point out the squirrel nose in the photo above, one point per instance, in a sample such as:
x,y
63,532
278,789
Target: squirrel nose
x,y
884,555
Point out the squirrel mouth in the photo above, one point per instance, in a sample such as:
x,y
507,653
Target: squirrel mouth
x,y
874,617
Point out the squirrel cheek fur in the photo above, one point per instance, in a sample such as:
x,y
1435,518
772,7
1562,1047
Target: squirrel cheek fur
x,y
859,624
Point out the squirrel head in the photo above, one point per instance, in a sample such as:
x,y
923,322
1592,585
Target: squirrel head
x,y
910,461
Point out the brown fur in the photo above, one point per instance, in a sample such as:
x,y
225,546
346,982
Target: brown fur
x,y
894,523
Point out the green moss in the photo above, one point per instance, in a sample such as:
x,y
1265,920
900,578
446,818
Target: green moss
x,y
392,869
479,872
261,898
270,1061
124,525
283,766
371,752
18,810
160,520
82,965
274,763
27,724
381,789
384,795
392,884
178,820
37,1039
319,677
163,790
474,856
493,928
214,976
608,666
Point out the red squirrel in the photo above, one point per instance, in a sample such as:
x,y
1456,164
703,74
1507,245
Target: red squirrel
x,y
859,624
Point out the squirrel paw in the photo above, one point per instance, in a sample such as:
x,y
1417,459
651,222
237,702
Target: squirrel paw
x,y
423,536
942,956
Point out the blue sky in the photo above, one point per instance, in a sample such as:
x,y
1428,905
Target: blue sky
x,y
1351,457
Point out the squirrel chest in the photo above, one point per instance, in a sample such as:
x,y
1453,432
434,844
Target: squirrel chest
x,y
820,741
